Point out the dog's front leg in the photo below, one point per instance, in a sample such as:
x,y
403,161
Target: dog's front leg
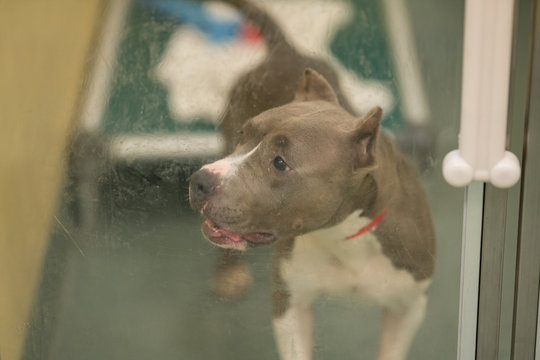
x,y
292,316
399,328
293,331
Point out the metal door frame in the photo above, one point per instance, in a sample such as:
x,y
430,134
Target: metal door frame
x,y
510,244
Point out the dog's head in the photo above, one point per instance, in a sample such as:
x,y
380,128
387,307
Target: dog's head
x,y
296,168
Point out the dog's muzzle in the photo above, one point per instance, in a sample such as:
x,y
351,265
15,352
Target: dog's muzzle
x,y
203,187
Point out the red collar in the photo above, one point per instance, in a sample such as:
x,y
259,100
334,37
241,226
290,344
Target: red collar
x,y
368,227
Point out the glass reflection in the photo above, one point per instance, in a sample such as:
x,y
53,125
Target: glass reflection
x,y
128,273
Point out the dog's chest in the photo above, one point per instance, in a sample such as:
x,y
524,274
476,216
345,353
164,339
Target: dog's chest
x,y
325,262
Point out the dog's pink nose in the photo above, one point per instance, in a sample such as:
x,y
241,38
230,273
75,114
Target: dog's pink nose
x,y
220,167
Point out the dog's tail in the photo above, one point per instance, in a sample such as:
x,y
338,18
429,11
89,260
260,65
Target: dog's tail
x,y
268,27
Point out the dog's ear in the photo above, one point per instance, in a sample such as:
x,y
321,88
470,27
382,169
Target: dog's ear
x,y
364,138
314,87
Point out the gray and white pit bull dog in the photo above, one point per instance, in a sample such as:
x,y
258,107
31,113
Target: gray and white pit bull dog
x,y
343,205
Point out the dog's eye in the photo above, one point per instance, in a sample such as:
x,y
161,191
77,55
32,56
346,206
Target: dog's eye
x,y
280,164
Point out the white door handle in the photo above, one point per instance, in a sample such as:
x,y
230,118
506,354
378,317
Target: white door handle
x,y
484,98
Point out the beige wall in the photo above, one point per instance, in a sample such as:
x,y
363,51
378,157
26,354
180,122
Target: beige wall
x,y
44,45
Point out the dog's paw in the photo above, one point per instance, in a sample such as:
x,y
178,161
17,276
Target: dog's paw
x,y
231,282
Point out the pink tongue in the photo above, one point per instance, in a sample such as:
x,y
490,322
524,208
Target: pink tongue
x,y
234,237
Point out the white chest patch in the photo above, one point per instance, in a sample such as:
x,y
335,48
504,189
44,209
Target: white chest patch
x,y
323,262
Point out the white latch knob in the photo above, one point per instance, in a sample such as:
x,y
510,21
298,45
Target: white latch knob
x,y
503,174
456,170
506,172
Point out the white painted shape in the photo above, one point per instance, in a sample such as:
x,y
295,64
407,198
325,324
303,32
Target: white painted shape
x,y
103,67
404,54
363,94
297,21
200,74
180,145
309,24
221,11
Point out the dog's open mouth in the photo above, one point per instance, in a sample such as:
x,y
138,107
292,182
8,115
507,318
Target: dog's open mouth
x,y
229,239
